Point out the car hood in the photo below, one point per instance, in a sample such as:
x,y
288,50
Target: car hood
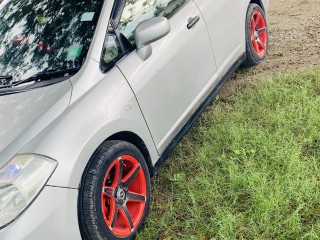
x,y
24,115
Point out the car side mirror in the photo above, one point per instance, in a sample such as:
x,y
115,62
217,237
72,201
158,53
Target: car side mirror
x,y
149,31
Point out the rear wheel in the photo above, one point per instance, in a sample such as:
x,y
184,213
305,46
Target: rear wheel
x,y
115,193
257,39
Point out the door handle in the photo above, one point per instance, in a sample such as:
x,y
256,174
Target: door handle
x,y
193,21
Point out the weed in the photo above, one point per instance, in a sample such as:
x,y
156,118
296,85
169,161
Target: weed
x,y
249,169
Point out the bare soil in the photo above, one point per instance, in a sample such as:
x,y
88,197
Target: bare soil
x,y
294,33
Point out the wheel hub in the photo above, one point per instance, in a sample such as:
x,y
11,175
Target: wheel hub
x,y
256,34
121,195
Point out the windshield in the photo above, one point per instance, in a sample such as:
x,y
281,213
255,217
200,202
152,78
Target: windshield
x,y
44,35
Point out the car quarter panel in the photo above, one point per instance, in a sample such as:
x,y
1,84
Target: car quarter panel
x,y
265,4
107,108
226,24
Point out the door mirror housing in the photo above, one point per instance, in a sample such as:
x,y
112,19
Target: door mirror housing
x,y
149,31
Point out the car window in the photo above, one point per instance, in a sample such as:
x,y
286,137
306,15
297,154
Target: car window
x,y
112,49
137,11
126,19
45,35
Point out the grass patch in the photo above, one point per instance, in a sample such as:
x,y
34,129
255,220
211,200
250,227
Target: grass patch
x,y
249,169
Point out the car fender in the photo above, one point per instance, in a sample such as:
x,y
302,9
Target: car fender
x,y
265,4
107,108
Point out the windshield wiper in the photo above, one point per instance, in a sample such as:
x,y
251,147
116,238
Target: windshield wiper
x,y
41,76
5,80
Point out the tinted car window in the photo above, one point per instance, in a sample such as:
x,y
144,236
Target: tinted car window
x,y
39,35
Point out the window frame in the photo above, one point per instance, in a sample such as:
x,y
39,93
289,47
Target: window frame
x,y
116,13
122,54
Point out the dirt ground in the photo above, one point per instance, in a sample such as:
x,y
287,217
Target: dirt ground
x,y
294,32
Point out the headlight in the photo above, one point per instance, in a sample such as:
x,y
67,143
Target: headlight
x,y
21,180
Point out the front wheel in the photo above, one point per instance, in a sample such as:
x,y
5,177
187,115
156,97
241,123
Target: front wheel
x,y
257,38
114,195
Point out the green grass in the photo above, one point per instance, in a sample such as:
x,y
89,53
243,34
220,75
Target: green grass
x,y
249,169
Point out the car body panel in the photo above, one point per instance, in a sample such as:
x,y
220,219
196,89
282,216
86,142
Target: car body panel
x,y
168,82
24,115
106,109
225,21
52,216
265,4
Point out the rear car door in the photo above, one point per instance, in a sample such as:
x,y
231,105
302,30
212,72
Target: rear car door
x,y
168,83
226,26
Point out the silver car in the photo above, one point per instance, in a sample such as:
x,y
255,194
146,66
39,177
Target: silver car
x,y
94,95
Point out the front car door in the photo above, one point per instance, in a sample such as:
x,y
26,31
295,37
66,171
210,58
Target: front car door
x,y
170,84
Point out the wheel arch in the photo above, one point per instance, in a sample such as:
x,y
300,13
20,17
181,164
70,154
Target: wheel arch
x,y
259,2
135,140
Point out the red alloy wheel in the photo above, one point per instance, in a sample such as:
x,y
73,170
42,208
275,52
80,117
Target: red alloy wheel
x,y
124,194
258,32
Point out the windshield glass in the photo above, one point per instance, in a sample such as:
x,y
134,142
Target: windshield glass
x,y
45,35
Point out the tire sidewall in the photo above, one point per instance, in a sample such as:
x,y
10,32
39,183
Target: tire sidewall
x,y
99,165
251,54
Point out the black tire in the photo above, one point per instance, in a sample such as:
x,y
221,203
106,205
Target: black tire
x,y
252,58
101,170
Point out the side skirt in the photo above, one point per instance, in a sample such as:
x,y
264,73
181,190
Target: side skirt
x,y
196,115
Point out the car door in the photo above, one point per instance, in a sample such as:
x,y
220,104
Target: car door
x,y
170,84
226,26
